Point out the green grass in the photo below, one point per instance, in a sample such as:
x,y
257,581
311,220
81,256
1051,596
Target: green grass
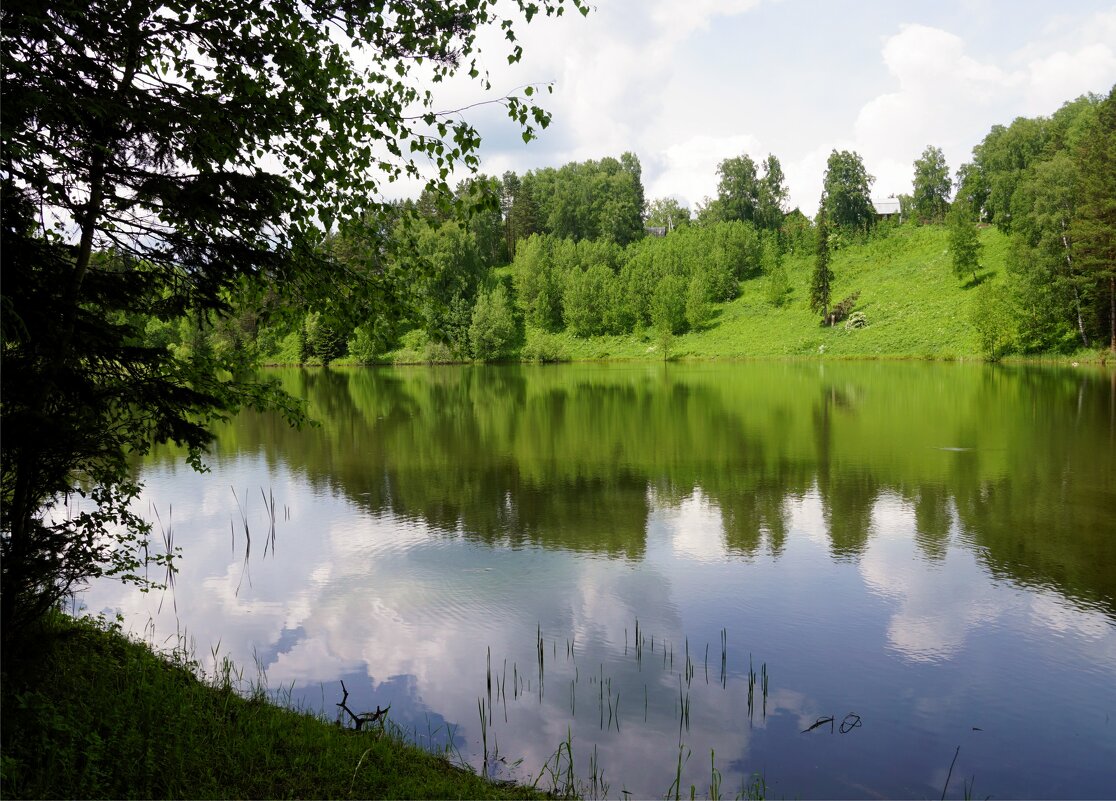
x,y
914,305
89,713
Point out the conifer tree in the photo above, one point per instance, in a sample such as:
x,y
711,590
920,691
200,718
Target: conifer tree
x,y
821,283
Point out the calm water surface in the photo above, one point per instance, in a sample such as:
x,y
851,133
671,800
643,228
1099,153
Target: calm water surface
x,y
926,550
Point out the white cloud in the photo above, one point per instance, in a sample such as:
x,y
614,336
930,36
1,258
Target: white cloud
x,y
1062,76
697,530
664,80
936,607
688,170
948,98
805,174
944,98
678,20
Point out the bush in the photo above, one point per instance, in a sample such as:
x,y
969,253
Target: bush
x,y
543,347
439,353
992,319
698,309
778,286
412,348
362,346
856,320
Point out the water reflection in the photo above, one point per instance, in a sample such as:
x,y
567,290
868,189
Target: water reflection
x,y
563,458
923,545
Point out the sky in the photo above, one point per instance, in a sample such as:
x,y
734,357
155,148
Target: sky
x,y
685,85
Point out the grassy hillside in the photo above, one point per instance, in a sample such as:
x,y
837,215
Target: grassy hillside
x,y
914,305
89,713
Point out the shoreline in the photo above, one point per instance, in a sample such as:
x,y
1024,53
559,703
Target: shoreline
x,y
90,712
1095,359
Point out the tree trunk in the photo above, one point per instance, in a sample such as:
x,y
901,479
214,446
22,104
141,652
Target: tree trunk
x,y
30,493
1076,294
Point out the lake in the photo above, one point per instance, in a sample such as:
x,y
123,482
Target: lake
x,y
680,570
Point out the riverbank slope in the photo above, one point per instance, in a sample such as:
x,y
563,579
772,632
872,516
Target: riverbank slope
x,y
910,305
90,713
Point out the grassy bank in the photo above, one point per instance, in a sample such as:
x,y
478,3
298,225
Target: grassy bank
x,y
913,305
89,713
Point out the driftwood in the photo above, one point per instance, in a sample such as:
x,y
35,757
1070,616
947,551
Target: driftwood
x,y
363,717
821,722
851,721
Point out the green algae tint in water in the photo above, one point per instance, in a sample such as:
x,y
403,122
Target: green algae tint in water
x,y
928,551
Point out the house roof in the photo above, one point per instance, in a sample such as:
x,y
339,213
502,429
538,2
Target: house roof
x,y
886,207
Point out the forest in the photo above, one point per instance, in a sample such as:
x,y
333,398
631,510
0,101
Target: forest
x,y
494,270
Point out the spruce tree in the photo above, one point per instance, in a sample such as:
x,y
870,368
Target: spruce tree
x,y
822,281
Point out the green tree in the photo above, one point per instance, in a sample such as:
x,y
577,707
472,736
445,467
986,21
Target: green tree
x,y
590,199
992,316
446,257
583,299
698,309
846,193
521,214
1045,261
821,281
362,345
711,211
478,199
325,339
374,249
493,329
618,314
668,305
797,234
629,164
638,278
964,244
772,196
738,188
1094,226
931,185
538,283
999,164
204,148
778,284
